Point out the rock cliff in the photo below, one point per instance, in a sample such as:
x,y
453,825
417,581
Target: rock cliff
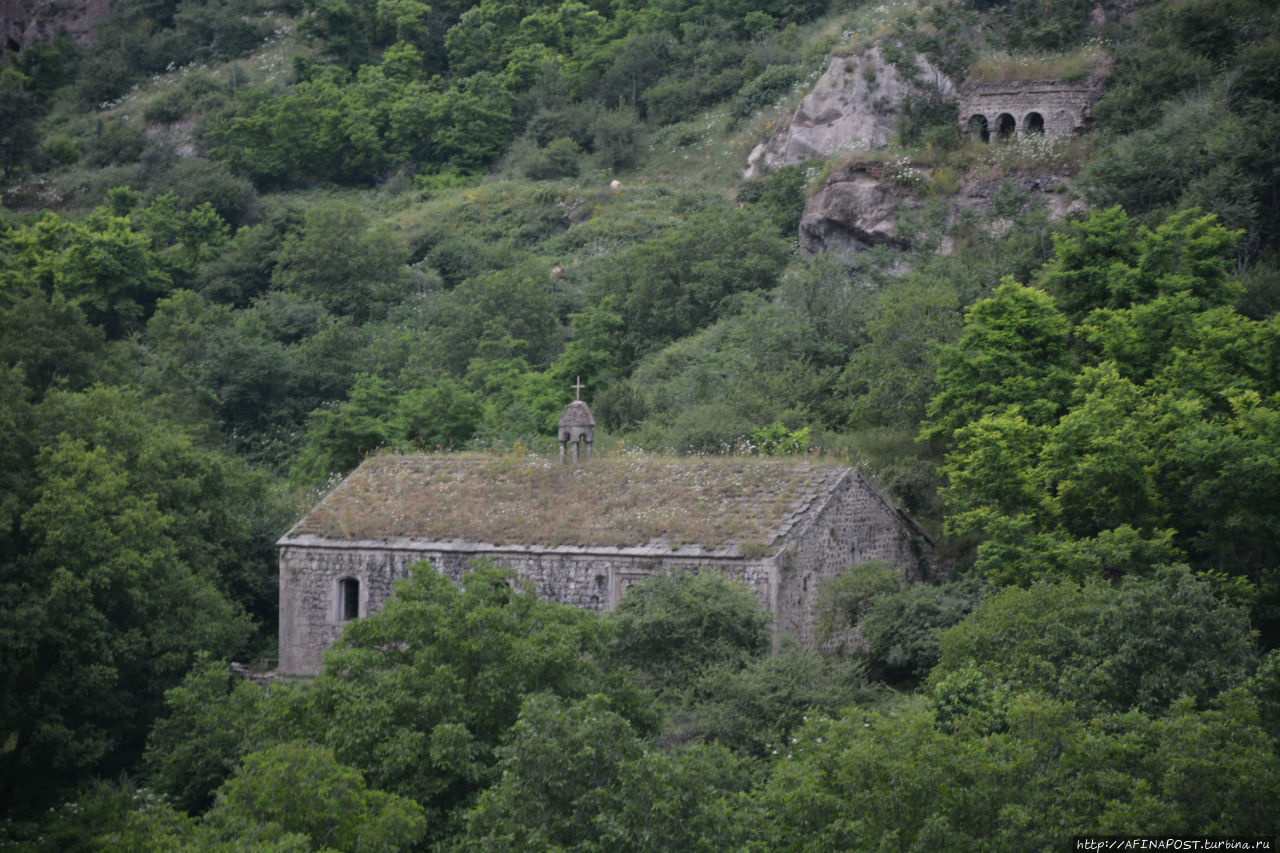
x,y
858,206
853,107
25,21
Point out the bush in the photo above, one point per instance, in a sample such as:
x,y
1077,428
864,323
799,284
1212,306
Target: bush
x,y
616,138
114,142
902,628
752,709
194,181
928,119
846,598
781,195
678,96
1139,646
461,256
673,627
167,107
766,89
573,121
558,160
61,151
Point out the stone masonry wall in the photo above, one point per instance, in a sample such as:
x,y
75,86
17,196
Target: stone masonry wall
x,y
837,527
1065,108
311,569
854,526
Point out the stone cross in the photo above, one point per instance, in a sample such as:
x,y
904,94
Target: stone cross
x,y
578,386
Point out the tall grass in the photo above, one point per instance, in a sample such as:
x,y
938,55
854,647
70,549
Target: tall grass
x,y
1087,62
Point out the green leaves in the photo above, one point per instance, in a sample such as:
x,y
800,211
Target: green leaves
x,y
575,776
686,278
672,627
340,260
1140,645
1087,425
1033,779
1109,261
299,788
1012,357
420,696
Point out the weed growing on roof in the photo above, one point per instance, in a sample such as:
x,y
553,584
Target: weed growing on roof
x,y
519,498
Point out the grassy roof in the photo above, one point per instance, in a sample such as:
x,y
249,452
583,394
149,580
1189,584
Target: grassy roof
x,y
623,501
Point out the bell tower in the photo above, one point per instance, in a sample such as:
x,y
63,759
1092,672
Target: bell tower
x,y
577,426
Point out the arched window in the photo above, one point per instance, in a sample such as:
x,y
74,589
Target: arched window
x,y
978,128
1033,123
348,599
1005,126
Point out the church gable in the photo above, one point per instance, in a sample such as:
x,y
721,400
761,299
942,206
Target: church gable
x,y
581,534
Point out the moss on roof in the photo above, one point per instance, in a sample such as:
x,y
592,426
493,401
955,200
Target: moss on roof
x,y
624,501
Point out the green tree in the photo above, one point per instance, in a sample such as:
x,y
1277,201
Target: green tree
x,y
1107,648
106,616
875,780
211,722
672,627
902,628
752,708
1011,357
340,260
1109,261
1099,463
687,277
339,437
299,788
576,776
17,118
499,315
559,776
892,376
420,696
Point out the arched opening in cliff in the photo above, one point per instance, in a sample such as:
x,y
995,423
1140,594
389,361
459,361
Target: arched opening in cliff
x,y
1033,123
1005,126
978,128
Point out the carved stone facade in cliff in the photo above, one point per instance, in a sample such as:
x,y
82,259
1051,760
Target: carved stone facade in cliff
x,y
780,527
1019,107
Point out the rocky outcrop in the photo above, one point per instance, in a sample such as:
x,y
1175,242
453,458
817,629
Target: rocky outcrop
x,y
857,207
25,21
854,211
853,106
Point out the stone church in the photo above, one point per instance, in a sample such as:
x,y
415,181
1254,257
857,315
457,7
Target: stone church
x,y
583,533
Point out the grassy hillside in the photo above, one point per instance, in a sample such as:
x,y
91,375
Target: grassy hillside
x,y
244,245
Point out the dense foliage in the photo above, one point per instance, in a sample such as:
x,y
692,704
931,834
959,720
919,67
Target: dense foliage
x,y
245,244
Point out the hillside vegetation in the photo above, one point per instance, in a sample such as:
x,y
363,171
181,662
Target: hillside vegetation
x,y
245,245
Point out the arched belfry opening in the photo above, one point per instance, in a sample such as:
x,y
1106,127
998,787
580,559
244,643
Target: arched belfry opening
x,y
576,427
978,128
1006,125
1033,123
